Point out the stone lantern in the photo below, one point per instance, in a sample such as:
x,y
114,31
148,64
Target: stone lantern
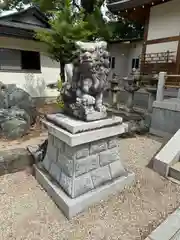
x,y
114,88
151,88
131,85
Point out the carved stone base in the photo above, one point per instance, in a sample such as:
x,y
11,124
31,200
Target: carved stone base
x,y
71,207
82,164
84,113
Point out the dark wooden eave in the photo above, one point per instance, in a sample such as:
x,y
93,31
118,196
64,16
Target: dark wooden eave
x,y
19,30
119,5
135,10
33,10
11,25
125,40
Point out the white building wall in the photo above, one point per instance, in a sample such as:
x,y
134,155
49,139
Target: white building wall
x,y
134,52
164,22
34,83
124,53
162,47
120,52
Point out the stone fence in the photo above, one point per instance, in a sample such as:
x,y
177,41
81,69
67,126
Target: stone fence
x,y
162,84
166,112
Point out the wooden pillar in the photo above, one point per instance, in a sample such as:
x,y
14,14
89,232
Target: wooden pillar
x,y
177,80
178,59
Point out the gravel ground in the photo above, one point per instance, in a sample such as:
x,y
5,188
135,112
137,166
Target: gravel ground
x,y
27,213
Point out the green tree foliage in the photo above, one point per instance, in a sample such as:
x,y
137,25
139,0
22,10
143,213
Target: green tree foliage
x,y
74,20
116,28
67,27
125,29
70,23
91,6
91,10
98,26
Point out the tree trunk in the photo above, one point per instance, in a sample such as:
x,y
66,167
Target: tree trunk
x,y
62,73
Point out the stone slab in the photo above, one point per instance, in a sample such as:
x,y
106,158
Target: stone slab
x,y
174,171
71,207
165,118
160,133
176,236
172,104
168,229
168,155
76,126
85,137
101,176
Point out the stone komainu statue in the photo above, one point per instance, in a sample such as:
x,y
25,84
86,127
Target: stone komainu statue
x,y
83,94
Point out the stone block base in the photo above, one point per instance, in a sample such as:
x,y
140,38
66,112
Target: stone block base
x,y
82,163
82,168
165,117
71,207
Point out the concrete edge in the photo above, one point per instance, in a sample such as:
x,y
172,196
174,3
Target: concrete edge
x,y
167,105
84,137
160,133
171,104
72,207
15,160
77,126
167,156
168,229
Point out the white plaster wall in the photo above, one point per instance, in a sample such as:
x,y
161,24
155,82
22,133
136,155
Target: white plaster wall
x,y
120,51
162,47
134,52
124,53
164,22
15,43
34,83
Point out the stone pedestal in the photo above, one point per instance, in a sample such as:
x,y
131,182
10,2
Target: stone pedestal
x,y
130,102
178,96
82,164
151,98
114,91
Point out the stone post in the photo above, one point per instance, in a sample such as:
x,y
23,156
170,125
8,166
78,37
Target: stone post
x,y
130,100
160,88
114,91
114,97
152,97
178,96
